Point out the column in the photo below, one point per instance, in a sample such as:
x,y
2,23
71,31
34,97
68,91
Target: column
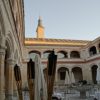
x,y
68,54
85,73
56,76
15,92
97,49
9,79
89,75
70,74
2,58
42,54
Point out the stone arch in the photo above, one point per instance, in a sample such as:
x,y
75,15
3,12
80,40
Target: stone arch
x,y
62,54
94,73
99,47
62,73
75,54
9,60
7,56
33,53
16,56
92,51
8,51
2,29
77,71
16,62
2,26
46,53
10,45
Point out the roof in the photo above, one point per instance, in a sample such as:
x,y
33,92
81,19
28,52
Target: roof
x,y
49,41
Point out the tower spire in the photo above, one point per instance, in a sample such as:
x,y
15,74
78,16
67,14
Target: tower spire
x,y
40,28
40,21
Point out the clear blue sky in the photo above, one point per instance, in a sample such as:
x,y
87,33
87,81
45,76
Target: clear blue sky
x,y
66,19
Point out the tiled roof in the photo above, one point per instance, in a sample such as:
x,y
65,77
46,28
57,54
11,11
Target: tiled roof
x,y
49,41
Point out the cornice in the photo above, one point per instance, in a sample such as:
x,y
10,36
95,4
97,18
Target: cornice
x,y
56,42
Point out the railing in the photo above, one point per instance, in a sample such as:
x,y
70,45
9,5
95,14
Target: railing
x,y
69,91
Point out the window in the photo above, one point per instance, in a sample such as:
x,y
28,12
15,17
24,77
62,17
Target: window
x,y
62,54
32,54
99,47
75,54
92,51
46,54
62,75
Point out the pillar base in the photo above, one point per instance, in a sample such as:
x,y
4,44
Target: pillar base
x,y
2,96
9,97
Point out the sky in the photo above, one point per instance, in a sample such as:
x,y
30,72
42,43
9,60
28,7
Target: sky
x,y
63,19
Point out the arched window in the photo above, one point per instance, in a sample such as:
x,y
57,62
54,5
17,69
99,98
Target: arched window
x,y
62,73
75,54
77,71
32,54
94,73
46,54
62,54
92,50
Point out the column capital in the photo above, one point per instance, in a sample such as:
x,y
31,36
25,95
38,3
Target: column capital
x,y
10,61
89,68
2,49
70,69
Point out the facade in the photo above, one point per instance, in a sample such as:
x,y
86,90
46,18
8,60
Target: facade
x,y
11,45
78,56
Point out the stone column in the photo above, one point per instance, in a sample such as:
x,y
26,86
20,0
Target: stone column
x,y
89,75
2,59
97,49
70,74
68,54
85,72
56,76
42,54
9,79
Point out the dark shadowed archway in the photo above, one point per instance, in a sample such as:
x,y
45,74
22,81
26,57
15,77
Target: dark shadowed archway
x,y
77,71
94,73
62,73
62,54
75,54
92,50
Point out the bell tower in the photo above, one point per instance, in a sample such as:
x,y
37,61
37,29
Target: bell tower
x,y
40,29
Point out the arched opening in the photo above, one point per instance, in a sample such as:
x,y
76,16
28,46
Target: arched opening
x,y
94,73
92,51
62,73
32,54
46,54
99,47
6,68
2,26
77,71
62,54
75,54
